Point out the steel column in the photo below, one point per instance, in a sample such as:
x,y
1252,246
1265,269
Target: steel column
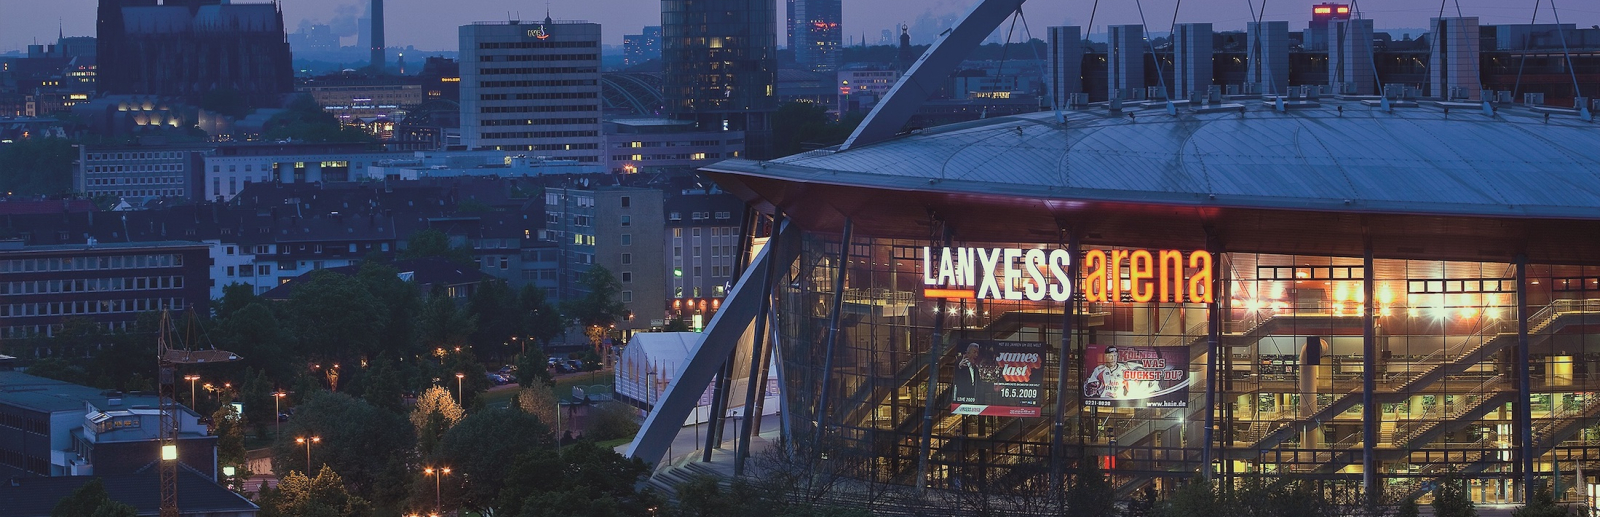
x,y
1069,314
758,354
925,446
1369,367
833,333
721,336
1524,391
1213,341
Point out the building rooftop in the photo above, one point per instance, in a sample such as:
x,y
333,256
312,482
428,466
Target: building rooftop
x,y
50,395
1344,154
197,495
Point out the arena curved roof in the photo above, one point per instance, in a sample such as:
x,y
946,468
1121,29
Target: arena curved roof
x,y
1333,154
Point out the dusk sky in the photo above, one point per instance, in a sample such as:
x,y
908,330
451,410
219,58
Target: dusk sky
x,y
431,24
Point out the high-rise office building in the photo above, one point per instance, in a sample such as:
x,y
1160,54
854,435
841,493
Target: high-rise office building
x,y
642,47
720,66
1316,35
815,26
532,87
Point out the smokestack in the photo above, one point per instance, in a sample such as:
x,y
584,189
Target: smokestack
x,y
378,58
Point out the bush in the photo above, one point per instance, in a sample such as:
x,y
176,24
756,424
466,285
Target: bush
x,y
611,421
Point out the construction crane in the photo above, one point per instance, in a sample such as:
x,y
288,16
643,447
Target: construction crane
x,y
168,358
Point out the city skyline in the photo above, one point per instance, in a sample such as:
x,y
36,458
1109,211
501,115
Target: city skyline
x,y
415,23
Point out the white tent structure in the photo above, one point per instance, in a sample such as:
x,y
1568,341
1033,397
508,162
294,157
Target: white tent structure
x,y
652,360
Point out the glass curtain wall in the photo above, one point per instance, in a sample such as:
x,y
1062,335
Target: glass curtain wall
x,y
1290,391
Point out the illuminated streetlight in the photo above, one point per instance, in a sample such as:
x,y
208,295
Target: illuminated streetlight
x,y
437,474
277,397
459,400
308,442
192,378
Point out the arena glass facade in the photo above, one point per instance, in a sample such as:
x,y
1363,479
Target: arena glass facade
x,y
1413,276
1289,390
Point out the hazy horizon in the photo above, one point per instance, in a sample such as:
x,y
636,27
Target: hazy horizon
x,y
431,25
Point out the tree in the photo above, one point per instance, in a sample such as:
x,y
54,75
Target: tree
x,y
611,421
399,303
384,387
1451,499
436,412
59,369
1408,508
335,317
257,335
1091,493
369,447
235,296
37,166
541,402
256,392
599,308
432,243
1542,504
498,313
1197,498
801,126
91,500
443,324
533,368
304,120
580,480
541,320
230,435
322,496
478,446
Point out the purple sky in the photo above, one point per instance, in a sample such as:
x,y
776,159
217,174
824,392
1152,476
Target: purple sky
x,y
431,24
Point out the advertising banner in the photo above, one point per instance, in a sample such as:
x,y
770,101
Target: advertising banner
x,y
998,378
1136,377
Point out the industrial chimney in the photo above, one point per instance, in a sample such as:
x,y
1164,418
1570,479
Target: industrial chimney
x,y
378,58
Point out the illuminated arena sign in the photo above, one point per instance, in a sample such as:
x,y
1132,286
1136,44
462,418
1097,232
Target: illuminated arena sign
x,y
997,274
1037,274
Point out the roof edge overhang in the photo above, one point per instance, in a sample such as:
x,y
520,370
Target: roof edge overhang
x,y
902,207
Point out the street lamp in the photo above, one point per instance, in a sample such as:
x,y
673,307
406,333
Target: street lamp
x,y
437,474
308,442
277,397
460,401
192,378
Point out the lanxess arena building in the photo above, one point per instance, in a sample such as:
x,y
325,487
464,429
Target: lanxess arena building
x,y
1341,288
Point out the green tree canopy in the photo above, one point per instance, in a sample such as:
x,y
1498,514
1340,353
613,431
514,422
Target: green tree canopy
x,y
305,121
322,496
498,312
541,319
37,166
582,480
335,317
478,446
432,243
91,500
369,446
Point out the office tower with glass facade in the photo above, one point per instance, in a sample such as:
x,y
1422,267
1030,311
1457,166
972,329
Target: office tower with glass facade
x,y
817,34
720,60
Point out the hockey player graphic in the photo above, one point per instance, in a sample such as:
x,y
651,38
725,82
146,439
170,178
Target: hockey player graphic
x,y
1107,380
